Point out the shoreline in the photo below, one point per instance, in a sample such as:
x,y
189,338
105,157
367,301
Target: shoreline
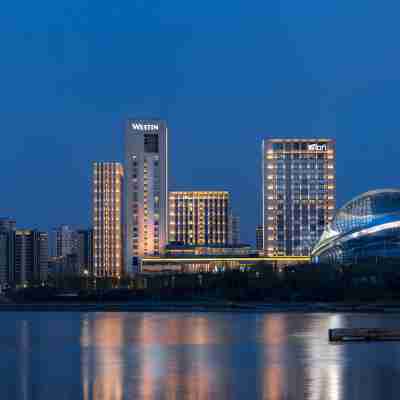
x,y
228,307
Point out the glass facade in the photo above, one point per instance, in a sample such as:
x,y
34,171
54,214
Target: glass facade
x,y
298,194
367,226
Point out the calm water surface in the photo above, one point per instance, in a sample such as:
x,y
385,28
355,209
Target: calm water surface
x,y
115,356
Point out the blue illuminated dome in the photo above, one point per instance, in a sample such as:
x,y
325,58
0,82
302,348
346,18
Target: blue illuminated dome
x,y
367,226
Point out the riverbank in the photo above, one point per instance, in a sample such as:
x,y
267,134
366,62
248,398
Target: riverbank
x,y
154,306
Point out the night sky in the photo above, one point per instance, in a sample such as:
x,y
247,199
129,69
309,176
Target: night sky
x,y
224,74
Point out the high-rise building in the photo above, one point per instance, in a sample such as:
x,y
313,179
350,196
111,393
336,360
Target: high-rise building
x,y
107,219
146,190
199,217
62,241
259,237
84,250
7,242
234,229
31,256
298,193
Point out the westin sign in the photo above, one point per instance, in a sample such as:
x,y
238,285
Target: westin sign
x,y
136,126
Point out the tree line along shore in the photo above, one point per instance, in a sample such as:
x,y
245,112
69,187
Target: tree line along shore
x,y
364,282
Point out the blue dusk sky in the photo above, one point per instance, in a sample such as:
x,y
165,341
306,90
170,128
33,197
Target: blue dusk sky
x,y
224,74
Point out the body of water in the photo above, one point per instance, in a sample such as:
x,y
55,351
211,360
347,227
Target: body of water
x,y
116,356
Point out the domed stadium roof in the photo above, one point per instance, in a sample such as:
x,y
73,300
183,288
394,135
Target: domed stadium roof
x,y
367,209
365,215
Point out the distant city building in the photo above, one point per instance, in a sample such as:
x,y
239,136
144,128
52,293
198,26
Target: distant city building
x,y
65,241
7,224
62,241
107,219
199,217
234,229
31,256
7,244
84,250
64,266
259,238
146,190
298,193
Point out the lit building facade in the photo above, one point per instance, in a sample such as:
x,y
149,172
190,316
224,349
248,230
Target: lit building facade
x,y
199,218
299,191
107,219
146,190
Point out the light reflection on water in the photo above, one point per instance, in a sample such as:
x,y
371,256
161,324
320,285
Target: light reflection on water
x,y
117,356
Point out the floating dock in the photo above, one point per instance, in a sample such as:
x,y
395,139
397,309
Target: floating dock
x,y
363,334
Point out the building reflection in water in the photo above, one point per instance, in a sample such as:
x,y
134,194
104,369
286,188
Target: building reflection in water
x,y
102,356
174,358
118,356
274,337
226,356
323,367
297,362
169,356
38,352
24,360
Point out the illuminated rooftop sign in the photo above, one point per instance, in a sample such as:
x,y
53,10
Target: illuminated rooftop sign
x,y
317,147
137,126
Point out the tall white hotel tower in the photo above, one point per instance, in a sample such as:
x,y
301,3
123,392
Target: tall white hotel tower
x,y
146,190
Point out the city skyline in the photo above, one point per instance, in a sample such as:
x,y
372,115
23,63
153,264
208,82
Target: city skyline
x,y
199,200
250,235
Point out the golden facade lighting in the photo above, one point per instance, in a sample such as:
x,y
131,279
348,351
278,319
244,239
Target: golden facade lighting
x,y
199,217
107,218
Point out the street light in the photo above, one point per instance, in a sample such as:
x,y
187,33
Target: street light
x,y
86,274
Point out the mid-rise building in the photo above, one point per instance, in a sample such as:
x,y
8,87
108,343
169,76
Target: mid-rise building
x,y
298,193
259,237
199,218
107,219
31,257
146,190
62,241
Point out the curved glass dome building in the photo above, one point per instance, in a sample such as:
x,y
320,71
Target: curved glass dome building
x,y
367,226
